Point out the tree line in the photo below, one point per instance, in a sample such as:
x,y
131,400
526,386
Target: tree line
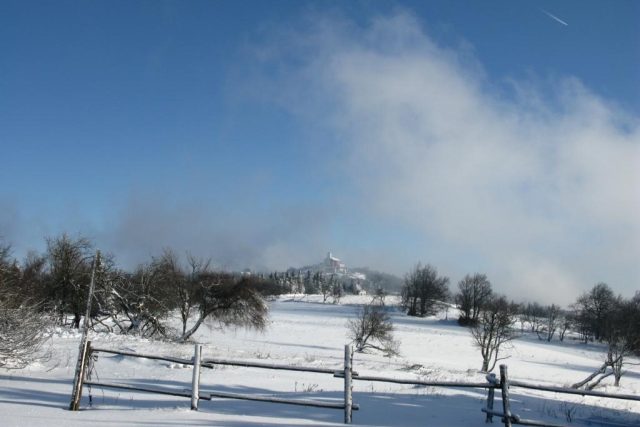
x,y
331,286
52,288
310,281
597,315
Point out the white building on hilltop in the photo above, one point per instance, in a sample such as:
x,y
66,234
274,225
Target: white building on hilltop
x,y
333,265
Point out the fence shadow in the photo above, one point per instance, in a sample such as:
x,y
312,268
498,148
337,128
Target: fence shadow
x,y
425,406
421,406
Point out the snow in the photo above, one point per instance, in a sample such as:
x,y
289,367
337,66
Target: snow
x,y
303,331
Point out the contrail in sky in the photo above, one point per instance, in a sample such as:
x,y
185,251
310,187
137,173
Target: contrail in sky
x,y
555,18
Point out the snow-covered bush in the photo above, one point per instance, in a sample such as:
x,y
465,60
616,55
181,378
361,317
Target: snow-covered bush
x,y
372,329
22,332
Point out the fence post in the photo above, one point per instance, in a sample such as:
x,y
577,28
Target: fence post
x,y
491,378
195,382
79,378
504,385
348,399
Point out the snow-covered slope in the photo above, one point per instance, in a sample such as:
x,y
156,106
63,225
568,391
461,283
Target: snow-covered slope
x,y
303,331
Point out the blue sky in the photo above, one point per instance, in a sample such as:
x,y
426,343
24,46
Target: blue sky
x,y
477,136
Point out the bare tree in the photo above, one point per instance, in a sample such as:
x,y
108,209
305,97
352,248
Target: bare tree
x,y
580,322
566,323
227,300
379,297
336,291
423,291
180,288
321,286
34,276
622,336
69,264
10,276
474,292
621,332
550,322
5,262
139,303
372,329
326,286
23,330
493,330
533,314
593,308
5,252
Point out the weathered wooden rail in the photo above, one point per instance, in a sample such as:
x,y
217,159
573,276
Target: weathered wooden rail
x,y
508,418
503,384
197,362
347,373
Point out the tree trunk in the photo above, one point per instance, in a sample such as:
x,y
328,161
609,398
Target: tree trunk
x,y
603,376
617,376
616,367
76,321
186,335
601,370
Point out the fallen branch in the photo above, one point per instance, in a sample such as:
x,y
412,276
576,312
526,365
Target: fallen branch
x,y
600,371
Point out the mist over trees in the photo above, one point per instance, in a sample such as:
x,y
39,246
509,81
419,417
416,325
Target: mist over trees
x,y
379,280
331,286
597,315
310,281
51,289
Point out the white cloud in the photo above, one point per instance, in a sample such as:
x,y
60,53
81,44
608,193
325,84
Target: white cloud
x,y
544,188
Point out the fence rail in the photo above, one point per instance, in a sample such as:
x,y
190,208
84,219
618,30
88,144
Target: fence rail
x,y
505,384
453,384
564,390
197,362
300,402
166,391
146,356
211,362
347,374
515,419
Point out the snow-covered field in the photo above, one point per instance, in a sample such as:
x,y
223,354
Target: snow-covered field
x,y
308,332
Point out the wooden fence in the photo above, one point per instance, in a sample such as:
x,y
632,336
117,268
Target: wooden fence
x,y
508,418
347,373
195,394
